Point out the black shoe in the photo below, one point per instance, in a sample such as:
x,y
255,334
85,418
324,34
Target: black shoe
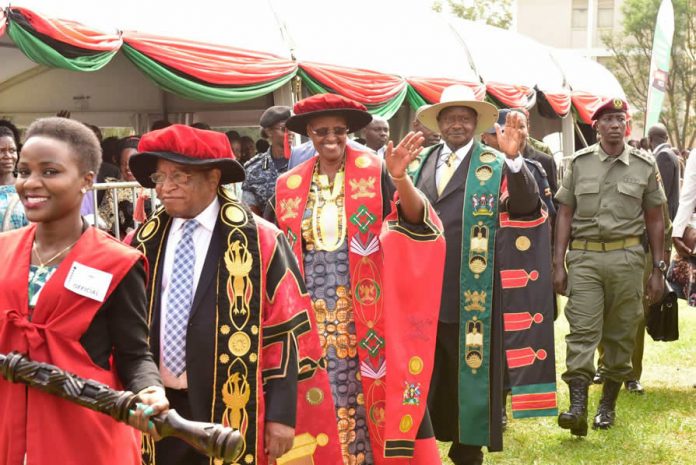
x,y
634,387
598,378
606,413
575,419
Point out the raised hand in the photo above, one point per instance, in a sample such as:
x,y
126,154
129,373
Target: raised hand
x,y
398,159
511,139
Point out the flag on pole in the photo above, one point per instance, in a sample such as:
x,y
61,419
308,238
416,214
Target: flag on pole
x,y
660,62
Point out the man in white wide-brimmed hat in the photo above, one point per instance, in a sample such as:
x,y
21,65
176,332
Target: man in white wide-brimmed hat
x,y
477,192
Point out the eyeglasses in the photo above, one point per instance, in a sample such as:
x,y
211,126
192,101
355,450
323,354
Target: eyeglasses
x,y
177,177
323,132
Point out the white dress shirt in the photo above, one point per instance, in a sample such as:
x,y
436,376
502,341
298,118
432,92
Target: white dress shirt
x,y
461,154
514,165
687,198
201,242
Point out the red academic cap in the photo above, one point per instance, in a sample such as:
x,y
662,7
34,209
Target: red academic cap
x,y
185,145
305,110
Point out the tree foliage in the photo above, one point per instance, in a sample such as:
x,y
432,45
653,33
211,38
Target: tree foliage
x,y
493,12
631,64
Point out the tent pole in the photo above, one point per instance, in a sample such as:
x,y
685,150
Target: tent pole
x,y
582,137
163,105
567,141
22,77
296,88
284,95
568,135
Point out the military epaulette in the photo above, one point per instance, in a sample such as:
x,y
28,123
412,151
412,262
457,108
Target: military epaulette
x,y
646,157
537,166
256,158
585,151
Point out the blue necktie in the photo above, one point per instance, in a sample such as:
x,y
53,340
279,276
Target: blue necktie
x,y
179,301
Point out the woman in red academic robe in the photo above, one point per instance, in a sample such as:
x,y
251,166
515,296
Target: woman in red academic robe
x,y
74,297
373,270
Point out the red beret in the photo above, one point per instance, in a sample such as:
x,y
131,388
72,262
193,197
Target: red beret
x,y
187,146
305,110
611,105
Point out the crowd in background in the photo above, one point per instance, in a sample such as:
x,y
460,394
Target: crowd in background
x,y
537,193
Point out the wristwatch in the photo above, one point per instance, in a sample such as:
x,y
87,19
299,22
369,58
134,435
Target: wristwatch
x,y
661,265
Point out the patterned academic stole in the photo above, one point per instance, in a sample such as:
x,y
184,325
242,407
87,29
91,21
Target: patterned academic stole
x,y
292,192
479,226
416,166
363,204
239,289
363,201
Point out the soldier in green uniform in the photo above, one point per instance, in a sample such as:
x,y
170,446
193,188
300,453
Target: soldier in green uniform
x,y
609,195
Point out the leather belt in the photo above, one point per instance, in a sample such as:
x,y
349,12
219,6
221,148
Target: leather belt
x,y
597,246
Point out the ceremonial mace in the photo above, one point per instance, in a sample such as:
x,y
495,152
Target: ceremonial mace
x,y
211,439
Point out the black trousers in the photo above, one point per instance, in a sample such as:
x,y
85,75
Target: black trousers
x,y
443,400
173,451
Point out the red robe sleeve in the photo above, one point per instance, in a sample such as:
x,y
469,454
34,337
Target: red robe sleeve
x,y
293,367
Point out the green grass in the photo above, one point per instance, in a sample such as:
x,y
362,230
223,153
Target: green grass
x,y
656,428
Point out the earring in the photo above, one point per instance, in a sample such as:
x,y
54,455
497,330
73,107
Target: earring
x,y
83,190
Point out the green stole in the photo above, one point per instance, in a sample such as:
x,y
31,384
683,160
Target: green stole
x,y
240,284
479,227
477,276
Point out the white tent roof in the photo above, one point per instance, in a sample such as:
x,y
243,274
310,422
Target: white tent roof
x,y
389,36
585,75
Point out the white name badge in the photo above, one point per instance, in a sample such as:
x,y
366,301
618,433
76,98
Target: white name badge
x,y
88,282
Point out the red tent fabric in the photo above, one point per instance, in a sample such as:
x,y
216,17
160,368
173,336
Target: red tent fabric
x,y
226,66
71,32
213,64
559,101
586,104
364,86
431,88
513,96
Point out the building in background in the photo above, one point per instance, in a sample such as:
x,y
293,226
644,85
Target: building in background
x,y
564,24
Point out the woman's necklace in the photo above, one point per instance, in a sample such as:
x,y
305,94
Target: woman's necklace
x,y
42,264
329,221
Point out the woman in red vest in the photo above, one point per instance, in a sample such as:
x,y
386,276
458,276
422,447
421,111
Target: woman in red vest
x,y
74,297
374,271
